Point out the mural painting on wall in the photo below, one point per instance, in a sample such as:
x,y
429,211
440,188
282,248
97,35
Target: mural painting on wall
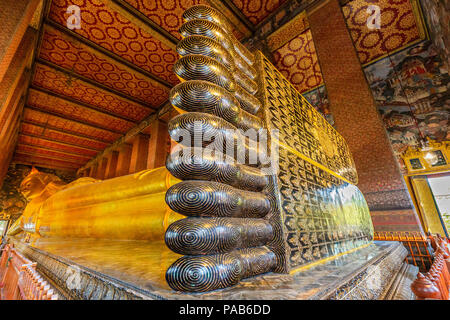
x,y
12,202
411,86
319,99
438,17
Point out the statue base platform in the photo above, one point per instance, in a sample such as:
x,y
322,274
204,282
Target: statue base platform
x,y
106,269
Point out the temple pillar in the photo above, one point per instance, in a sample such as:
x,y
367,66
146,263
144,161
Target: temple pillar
x,y
357,119
102,168
158,144
94,171
123,160
15,16
139,153
111,167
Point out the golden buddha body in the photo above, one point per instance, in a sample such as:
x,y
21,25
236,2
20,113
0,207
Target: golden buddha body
x,y
130,207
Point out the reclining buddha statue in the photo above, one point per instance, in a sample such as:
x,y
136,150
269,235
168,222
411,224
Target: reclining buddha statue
x,y
228,218
130,207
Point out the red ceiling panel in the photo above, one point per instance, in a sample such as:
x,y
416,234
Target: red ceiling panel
x,y
257,10
166,14
44,162
68,125
399,27
30,150
58,82
38,142
117,34
45,132
46,102
72,55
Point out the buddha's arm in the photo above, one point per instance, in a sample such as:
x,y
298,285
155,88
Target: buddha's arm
x,y
126,207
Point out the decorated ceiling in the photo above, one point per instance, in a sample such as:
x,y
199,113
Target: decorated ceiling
x,y
94,82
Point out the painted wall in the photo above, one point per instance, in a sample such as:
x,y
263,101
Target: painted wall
x,y
411,89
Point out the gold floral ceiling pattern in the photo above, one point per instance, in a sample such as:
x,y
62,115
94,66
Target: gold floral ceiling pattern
x,y
401,25
165,13
71,54
257,10
297,61
117,34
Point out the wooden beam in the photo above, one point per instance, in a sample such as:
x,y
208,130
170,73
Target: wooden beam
x,y
111,167
157,146
102,168
139,153
69,133
58,141
58,158
94,83
54,150
43,165
81,104
107,53
33,158
58,115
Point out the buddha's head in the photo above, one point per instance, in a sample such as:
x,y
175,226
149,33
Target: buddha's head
x,y
34,184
